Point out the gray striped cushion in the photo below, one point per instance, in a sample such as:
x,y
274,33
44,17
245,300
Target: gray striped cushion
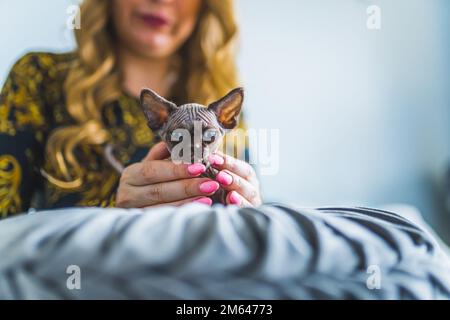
x,y
198,252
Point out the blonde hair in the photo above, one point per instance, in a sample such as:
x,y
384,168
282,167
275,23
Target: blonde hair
x,y
208,71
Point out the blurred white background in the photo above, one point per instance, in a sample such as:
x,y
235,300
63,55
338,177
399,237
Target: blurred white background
x,y
364,115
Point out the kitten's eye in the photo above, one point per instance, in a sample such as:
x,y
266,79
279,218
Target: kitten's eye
x,y
176,136
210,135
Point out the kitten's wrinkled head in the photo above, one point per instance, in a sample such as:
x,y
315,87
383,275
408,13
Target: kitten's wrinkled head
x,y
192,131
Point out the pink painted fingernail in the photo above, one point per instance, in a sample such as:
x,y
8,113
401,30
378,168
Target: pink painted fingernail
x,y
216,159
224,178
196,169
204,200
235,198
209,187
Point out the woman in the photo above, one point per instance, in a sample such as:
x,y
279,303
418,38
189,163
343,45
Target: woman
x,y
59,111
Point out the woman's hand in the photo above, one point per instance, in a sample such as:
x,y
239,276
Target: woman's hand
x,y
238,178
155,181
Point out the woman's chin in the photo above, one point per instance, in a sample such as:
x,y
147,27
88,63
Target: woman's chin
x,y
156,45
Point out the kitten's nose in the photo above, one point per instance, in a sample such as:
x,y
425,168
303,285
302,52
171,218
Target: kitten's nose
x,y
197,152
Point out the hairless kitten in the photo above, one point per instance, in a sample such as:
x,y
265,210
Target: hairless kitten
x,y
191,131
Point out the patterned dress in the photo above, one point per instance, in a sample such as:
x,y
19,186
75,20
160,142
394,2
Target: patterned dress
x,y
32,104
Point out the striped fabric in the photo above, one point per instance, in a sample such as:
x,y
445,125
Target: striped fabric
x,y
198,252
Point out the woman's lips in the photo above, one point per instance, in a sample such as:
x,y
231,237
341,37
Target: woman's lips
x,y
154,20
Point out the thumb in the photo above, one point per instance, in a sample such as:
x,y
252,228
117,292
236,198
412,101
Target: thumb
x,y
158,152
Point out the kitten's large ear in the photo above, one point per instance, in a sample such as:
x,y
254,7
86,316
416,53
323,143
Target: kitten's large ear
x,y
156,109
228,108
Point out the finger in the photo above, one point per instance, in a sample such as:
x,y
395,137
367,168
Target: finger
x,y
234,198
168,192
202,200
156,171
232,182
158,152
223,161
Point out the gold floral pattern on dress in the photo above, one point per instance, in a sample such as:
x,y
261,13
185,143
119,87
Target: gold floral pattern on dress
x,y
10,179
134,118
19,106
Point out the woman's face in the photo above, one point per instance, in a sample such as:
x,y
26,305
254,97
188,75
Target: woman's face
x,y
154,28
